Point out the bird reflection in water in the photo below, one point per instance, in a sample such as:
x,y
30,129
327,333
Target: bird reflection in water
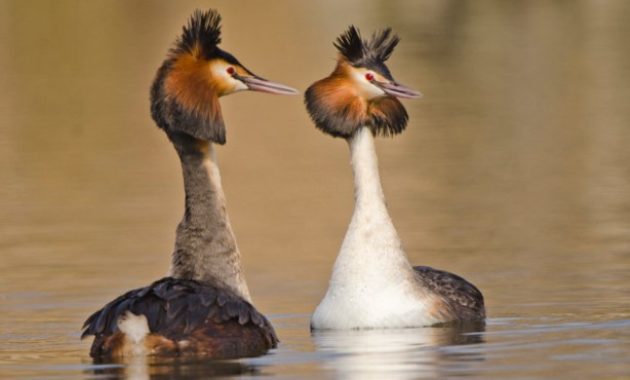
x,y
398,353
154,368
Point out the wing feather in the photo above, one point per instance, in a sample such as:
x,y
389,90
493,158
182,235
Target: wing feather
x,y
175,308
466,300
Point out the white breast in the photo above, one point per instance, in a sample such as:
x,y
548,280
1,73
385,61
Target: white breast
x,y
372,285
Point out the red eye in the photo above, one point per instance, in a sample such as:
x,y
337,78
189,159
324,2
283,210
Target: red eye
x,y
369,76
230,70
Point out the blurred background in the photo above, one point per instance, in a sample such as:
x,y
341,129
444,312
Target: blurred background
x,y
514,172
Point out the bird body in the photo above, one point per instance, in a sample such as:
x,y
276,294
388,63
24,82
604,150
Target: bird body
x,y
203,307
176,317
373,285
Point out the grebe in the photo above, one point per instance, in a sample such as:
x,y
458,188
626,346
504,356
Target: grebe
x,y
203,307
372,284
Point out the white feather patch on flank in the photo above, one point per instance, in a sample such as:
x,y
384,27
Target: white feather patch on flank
x,y
135,328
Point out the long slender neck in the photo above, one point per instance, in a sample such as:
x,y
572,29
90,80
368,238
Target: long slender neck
x,y
371,245
368,191
205,246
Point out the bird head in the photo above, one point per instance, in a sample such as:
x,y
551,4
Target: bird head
x,y
361,91
185,93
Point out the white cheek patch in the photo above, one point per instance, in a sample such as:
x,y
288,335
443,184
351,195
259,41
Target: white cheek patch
x,y
220,74
366,89
238,85
218,70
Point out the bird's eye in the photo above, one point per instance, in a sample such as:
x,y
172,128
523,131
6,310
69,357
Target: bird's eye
x,y
230,70
369,76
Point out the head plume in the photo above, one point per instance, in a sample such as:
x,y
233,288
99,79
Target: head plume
x,y
366,53
201,35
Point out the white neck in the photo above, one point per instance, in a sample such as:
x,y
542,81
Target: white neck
x,y
372,285
368,192
371,246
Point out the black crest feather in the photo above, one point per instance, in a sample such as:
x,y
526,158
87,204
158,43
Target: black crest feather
x,y
366,53
202,34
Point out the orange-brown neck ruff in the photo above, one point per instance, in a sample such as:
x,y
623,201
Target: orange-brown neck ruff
x,y
189,84
337,108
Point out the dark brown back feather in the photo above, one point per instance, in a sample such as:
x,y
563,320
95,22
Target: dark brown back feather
x,y
463,297
179,309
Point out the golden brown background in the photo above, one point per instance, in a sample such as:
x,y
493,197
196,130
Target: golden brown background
x,y
514,172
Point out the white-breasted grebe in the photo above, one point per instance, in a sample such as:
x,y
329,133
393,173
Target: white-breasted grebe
x,y
203,307
373,284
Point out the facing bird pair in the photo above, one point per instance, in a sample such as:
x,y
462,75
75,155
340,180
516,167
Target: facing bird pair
x,y
204,307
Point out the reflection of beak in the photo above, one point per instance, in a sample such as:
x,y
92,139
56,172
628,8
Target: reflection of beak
x,y
255,83
398,90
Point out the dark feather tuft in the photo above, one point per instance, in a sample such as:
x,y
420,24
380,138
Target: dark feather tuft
x,y
388,117
366,53
201,35
350,44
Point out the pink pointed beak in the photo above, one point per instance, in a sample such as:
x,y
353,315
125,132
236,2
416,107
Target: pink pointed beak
x,y
398,90
255,83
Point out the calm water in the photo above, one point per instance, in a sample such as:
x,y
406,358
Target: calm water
x,y
514,172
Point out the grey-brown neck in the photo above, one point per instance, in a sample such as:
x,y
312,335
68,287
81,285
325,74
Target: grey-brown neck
x,y
205,246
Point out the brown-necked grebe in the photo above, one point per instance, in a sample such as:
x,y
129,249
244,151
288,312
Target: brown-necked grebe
x,y
203,307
